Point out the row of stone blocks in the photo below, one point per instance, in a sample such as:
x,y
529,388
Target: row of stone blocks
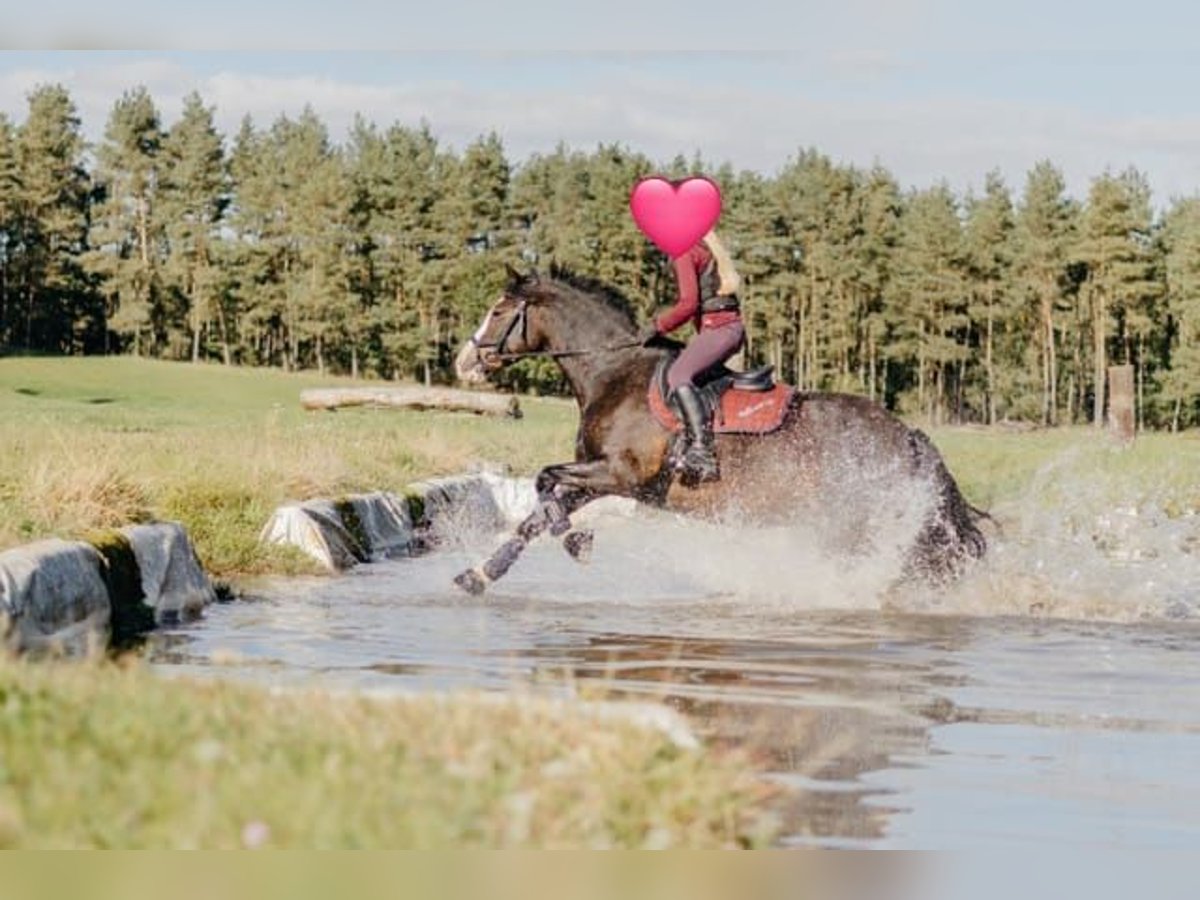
x,y
368,527
73,596
115,586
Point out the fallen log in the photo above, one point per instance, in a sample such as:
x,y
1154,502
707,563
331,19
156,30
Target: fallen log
x,y
419,398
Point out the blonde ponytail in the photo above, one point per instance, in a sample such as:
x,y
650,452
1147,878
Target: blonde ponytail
x,y
730,280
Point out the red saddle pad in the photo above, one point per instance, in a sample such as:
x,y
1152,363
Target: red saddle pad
x,y
741,412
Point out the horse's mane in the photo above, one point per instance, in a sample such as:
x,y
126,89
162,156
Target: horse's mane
x,y
612,297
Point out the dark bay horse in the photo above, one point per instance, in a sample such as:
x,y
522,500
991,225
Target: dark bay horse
x,y
841,463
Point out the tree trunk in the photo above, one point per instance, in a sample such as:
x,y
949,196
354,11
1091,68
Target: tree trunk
x,y
1100,361
3,306
29,318
990,413
410,397
195,335
1050,363
1141,396
871,352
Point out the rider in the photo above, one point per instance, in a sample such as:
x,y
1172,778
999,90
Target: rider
x,y
707,284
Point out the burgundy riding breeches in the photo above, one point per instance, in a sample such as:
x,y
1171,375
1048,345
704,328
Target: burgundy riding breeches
x,y
709,348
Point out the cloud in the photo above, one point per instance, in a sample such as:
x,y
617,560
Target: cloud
x,y
753,125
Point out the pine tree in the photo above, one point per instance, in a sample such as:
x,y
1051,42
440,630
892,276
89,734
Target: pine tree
x,y
989,237
1181,242
257,257
874,250
1045,226
754,230
194,195
1115,244
413,193
927,299
126,231
471,217
9,192
51,223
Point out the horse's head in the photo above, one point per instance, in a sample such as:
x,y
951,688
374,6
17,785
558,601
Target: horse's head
x,y
509,329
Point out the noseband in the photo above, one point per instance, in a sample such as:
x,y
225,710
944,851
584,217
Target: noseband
x,y
520,320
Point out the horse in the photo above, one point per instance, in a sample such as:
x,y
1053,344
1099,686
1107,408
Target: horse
x,y
841,463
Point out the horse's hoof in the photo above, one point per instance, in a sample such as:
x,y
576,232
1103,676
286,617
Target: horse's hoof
x,y
471,582
579,545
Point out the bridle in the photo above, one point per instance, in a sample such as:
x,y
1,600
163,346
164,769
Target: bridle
x,y
520,320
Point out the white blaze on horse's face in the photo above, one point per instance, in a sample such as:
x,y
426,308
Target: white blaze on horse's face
x,y
474,361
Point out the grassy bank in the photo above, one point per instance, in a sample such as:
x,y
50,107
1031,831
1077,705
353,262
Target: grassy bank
x,y
92,443
1062,466
106,756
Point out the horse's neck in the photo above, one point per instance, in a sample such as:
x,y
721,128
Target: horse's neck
x,y
593,328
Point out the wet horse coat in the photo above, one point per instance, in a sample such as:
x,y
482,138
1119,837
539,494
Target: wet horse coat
x,y
840,462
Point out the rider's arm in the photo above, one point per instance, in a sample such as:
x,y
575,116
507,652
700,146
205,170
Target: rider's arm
x,y
688,302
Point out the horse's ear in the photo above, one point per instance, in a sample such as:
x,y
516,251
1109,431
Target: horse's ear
x,y
515,278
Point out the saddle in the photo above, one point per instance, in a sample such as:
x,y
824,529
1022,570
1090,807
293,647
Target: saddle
x,y
736,402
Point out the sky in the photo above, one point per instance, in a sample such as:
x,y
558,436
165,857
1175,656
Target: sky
x,y
932,89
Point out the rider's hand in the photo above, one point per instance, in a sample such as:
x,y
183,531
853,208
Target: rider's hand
x,y
648,334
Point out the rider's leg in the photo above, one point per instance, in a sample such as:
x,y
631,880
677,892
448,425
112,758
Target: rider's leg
x,y
709,348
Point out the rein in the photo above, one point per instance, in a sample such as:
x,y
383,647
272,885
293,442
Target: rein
x,y
520,320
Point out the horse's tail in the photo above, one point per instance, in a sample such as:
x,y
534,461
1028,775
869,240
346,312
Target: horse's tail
x,y
953,531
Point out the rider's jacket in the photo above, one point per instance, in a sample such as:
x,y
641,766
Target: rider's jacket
x,y
698,301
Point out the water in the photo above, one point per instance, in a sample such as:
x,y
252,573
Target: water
x,y
1051,700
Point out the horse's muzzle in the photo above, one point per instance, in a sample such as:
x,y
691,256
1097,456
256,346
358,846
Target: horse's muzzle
x,y
473,365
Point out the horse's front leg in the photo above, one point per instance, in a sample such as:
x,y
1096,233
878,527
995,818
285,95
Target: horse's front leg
x,y
562,489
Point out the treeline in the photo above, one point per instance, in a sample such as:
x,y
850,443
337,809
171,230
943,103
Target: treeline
x,y
277,246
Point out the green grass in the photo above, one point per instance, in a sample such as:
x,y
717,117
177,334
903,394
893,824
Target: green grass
x,y
107,756
101,442
1065,466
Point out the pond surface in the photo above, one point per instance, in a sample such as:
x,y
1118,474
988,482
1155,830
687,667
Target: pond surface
x,y
1051,700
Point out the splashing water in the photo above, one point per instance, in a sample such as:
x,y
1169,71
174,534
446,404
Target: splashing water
x,y
1074,544
1077,544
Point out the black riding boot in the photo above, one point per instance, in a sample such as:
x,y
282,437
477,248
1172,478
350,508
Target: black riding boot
x,y
698,462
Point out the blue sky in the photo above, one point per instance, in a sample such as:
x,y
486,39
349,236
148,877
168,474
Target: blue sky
x,y
930,88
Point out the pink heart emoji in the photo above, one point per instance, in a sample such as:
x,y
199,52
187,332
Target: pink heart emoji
x,y
675,215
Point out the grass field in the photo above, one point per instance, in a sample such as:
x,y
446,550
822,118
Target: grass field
x,y
111,756
91,443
